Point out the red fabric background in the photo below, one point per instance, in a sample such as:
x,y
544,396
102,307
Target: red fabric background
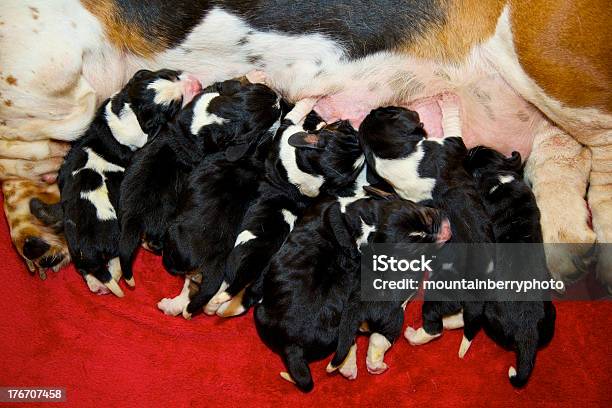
x,y
124,352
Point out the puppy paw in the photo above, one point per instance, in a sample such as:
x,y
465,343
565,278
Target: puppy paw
x,y
419,337
95,286
173,306
349,371
41,246
377,367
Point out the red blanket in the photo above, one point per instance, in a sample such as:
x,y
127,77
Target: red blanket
x,y
108,351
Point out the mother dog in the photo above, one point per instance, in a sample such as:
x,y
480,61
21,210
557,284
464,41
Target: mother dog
x,y
529,76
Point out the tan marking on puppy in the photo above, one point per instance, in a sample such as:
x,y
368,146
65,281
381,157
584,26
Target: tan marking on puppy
x,y
377,347
364,327
126,37
24,226
232,307
566,47
467,24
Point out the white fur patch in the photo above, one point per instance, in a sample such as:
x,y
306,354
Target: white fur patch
x,y
125,127
289,218
99,197
420,234
308,184
506,179
96,163
244,236
166,91
366,230
201,115
403,175
358,192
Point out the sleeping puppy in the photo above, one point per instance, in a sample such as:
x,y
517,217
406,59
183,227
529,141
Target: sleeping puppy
x,y
228,116
301,165
522,325
91,175
215,198
431,172
312,281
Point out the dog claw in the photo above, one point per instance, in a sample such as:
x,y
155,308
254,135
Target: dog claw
x,y
114,287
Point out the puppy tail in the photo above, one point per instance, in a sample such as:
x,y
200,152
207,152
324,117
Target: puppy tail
x,y
349,324
51,215
525,360
298,368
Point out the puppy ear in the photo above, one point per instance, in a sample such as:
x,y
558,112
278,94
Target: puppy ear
x,y
306,141
377,192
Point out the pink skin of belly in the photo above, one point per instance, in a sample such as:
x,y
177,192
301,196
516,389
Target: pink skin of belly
x,y
492,114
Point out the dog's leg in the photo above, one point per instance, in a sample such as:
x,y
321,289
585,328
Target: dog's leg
x,y
600,201
40,245
558,170
217,300
175,306
232,307
348,368
377,347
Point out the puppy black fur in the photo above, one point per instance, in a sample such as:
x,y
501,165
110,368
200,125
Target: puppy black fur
x,y
95,165
522,325
158,172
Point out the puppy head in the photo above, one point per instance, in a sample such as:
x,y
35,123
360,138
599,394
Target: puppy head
x,y
148,101
482,159
232,115
391,132
331,157
393,220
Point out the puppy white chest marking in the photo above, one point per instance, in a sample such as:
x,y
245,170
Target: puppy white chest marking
x,y
166,91
366,230
289,218
201,115
125,127
99,197
403,175
308,184
243,237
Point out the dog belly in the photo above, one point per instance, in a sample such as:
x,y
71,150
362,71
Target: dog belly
x,y
492,113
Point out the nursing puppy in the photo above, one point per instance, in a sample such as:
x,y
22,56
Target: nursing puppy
x,y
91,175
521,325
217,193
228,116
302,164
311,283
431,172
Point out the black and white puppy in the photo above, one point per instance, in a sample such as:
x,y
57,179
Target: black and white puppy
x,y
430,172
302,164
91,175
311,289
215,198
229,116
511,205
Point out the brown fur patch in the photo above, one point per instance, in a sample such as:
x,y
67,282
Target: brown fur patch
x,y
8,102
125,37
34,11
11,80
566,47
468,23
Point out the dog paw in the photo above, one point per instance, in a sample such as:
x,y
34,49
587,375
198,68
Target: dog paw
x,y
419,337
174,306
43,253
256,77
377,367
